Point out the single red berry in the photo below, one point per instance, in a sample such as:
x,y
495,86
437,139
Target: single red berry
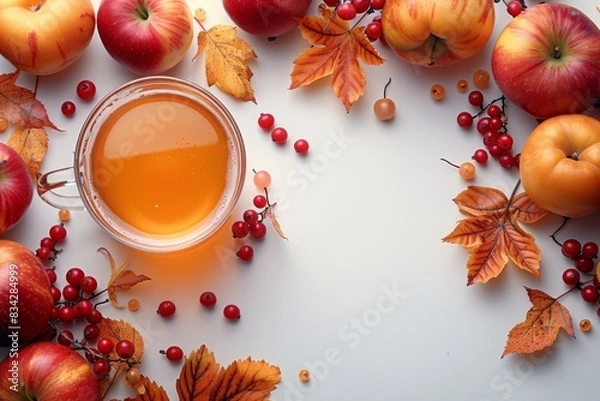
x,y
43,253
464,119
514,8
66,314
125,349
86,90
246,253
571,277
480,156
589,250
505,141
68,108
475,98
374,30
101,368
259,201
346,11
75,276
361,5
240,229
495,123
66,338
94,317
91,332
377,4
231,312
173,353
301,146
571,248
590,294
495,150
91,354
84,308
166,308
58,232
250,216
70,293
483,125
258,230
56,294
105,345
47,242
494,111
332,3
266,121
89,284
279,135
506,160
208,299
584,265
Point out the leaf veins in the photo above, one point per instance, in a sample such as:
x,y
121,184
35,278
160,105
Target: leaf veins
x,y
335,51
492,233
541,327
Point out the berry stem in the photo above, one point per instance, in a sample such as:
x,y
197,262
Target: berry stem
x,y
449,162
386,86
562,225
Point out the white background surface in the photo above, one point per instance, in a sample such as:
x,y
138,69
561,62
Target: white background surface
x,y
365,212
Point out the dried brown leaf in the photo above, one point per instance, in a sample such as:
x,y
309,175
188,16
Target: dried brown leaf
x,y
117,330
492,234
246,380
20,106
121,279
197,375
541,327
336,51
31,144
226,58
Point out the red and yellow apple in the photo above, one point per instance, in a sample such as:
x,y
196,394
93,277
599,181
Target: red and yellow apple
x,y
547,60
268,18
560,165
16,187
146,36
47,371
436,33
44,37
25,297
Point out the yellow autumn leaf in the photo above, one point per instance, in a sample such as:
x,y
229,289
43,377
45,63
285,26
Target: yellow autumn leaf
x,y
226,57
31,144
121,279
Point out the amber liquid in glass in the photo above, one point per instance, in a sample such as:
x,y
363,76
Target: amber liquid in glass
x,y
160,163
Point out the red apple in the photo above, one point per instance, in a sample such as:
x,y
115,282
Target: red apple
x,y
437,33
25,298
47,371
45,37
268,18
547,60
146,36
16,187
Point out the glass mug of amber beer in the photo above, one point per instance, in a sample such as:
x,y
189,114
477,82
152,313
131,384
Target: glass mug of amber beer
x,y
159,164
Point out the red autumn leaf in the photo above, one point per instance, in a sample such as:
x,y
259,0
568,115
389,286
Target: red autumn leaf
x,y
20,106
541,327
492,234
121,279
202,379
336,51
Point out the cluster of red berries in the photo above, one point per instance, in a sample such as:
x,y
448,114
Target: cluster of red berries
x,y
85,90
47,250
350,9
279,135
252,223
513,7
583,257
492,125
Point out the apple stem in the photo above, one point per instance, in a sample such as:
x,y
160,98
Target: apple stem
x,y
433,47
142,13
557,52
2,163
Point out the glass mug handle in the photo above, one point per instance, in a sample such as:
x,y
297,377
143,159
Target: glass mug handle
x,y
59,189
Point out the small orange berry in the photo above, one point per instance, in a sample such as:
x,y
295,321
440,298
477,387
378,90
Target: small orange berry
x,y
64,215
437,92
133,304
3,123
462,85
481,79
585,325
304,375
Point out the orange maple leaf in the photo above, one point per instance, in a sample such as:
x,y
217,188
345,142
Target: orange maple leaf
x,y
202,379
31,144
121,279
226,57
20,106
335,51
492,234
541,326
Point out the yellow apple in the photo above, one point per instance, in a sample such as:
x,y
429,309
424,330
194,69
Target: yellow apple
x,y
436,33
560,165
44,37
